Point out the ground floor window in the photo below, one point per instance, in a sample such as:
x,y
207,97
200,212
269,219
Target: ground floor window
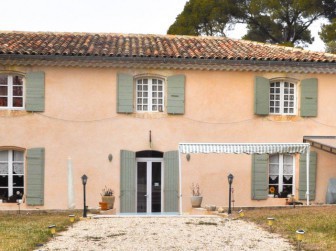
x,y
281,175
11,175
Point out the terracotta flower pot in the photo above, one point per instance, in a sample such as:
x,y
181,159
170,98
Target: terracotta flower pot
x,y
196,201
103,205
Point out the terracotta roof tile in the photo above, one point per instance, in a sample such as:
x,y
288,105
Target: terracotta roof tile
x,y
160,46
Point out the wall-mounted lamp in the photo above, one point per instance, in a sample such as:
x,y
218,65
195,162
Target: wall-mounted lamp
x,y
110,157
188,157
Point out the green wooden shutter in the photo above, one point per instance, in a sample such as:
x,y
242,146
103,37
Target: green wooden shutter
x,y
35,96
125,93
171,181
309,97
261,96
127,181
175,99
303,176
259,176
35,176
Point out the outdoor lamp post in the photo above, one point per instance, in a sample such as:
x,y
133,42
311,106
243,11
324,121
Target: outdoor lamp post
x,y
52,229
230,179
299,237
270,222
72,218
84,180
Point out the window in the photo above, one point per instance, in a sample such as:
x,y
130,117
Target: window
x,y
150,95
281,170
282,97
11,175
11,92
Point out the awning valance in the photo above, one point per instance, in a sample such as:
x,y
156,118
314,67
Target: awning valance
x,y
239,148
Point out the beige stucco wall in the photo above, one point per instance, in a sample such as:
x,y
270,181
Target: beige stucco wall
x,y
80,121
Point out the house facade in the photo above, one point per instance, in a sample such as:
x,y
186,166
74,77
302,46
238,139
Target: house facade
x,y
117,106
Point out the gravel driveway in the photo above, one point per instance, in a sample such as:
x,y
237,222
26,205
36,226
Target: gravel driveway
x,y
166,233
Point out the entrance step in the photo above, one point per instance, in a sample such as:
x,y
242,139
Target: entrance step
x,y
108,212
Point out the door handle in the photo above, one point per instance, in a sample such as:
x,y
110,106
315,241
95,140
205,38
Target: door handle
x,y
145,195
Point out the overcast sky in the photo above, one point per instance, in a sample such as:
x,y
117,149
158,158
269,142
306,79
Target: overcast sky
x,y
116,16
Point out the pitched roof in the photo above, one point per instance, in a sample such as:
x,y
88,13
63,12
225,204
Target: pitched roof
x,y
109,45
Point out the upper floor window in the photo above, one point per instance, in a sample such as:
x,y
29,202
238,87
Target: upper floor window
x,y
11,92
282,98
150,95
11,175
281,171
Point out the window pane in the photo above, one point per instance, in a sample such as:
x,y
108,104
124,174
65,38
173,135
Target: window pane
x,y
3,90
154,108
17,90
154,101
287,179
145,81
160,108
273,189
154,94
18,168
288,189
18,181
160,101
154,81
17,80
3,80
3,101
139,87
4,193
3,168
17,156
274,179
145,94
145,87
277,110
139,101
139,94
154,88
3,155
139,108
145,107
285,110
145,101
3,181
160,88
17,102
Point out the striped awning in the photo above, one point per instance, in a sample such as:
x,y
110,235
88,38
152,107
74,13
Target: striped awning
x,y
247,148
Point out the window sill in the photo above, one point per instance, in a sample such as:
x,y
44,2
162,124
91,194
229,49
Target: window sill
x,y
12,113
150,115
273,117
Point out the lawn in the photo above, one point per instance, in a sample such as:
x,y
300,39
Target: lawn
x,y
25,231
319,224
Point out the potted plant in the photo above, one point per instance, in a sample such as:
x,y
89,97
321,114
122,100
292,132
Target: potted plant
x,y
108,197
196,198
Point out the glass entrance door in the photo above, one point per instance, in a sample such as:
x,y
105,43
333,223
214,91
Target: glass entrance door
x,y
149,185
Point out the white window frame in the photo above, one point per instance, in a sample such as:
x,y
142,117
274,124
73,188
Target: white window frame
x,y
10,174
150,97
10,93
282,97
281,173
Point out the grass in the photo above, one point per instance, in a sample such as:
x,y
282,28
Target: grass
x,y
24,231
319,224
